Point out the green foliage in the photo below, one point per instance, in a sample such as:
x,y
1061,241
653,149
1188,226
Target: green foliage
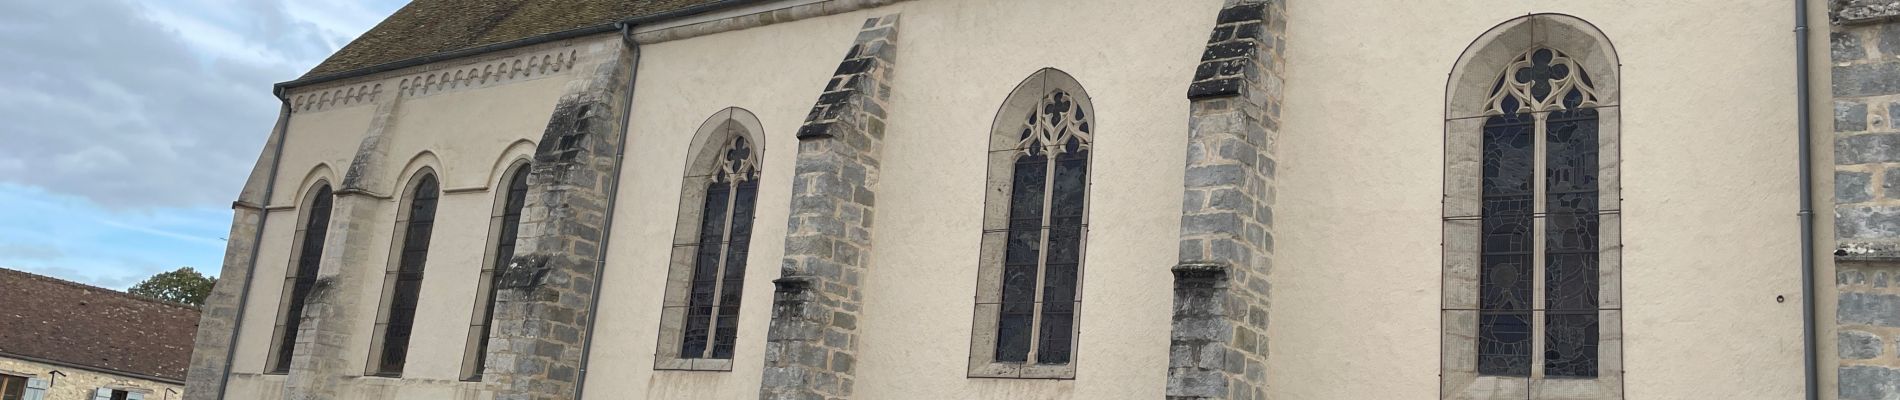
x,y
183,285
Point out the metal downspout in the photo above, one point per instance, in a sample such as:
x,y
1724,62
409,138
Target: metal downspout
x,y
1803,112
263,216
613,197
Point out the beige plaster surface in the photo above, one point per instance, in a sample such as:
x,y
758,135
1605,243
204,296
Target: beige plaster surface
x,y
1708,196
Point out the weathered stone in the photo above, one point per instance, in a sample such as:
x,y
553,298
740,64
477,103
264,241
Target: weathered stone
x,y
1869,309
1863,11
1866,382
1872,79
1852,187
1850,116
1867,222
1868,148
811,352
1846,47
1857,345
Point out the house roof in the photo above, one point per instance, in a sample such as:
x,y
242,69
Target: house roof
x,y
426,27
62,322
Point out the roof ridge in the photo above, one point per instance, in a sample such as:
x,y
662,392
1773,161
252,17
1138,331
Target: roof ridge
x,y
119,293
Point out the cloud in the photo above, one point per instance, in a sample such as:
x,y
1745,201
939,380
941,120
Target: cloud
x,y
159,104
131,124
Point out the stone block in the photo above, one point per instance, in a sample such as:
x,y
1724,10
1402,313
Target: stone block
x,y
1850,116
1873,79
1852,187
1869,309
1868,148
1867,222
1866,382
1845,47
1857,345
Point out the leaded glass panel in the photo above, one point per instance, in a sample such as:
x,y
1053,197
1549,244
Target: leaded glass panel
x,y
407,278
309,258
1043,253
718,278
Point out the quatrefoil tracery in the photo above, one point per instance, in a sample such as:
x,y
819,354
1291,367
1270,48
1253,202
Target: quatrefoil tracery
x,y
1541,79
1056,125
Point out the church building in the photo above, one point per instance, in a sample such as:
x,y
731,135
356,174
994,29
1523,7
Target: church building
x,y
1076,200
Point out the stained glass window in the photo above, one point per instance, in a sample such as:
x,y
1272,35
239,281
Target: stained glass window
x,y
1043,254
1540,217
303,275
507,226
718,276
403,284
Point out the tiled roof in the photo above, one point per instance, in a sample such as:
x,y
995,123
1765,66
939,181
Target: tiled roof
x,y
426,27
66,322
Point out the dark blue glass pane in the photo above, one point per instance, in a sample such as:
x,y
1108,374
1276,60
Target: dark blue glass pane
x,y
1071,187
316,229
712,217
1026,188
1023,246
1059,287
1012,334
1057,338
1570,345
694,341
743,204
1571,152
727,333
1504,344
1065,244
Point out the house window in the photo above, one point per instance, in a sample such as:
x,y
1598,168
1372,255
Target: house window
x,y
1532,225
116,394
700,321
12,387
1034,231
402,283
504,224
301,275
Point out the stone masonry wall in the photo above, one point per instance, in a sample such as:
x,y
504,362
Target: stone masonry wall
x,y
80,384
811,345
541,310
1218,347
1866,57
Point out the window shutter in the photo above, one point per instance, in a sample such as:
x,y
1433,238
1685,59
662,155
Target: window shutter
x,y
102,394
35,389
135,396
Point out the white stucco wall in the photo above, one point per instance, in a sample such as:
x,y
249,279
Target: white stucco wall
x,y
1709,196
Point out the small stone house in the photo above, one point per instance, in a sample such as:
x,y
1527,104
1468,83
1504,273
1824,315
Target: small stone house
x,y
62,340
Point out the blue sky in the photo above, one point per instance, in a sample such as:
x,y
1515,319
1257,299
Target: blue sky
x,y
128,126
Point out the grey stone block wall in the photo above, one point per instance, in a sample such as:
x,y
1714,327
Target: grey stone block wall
x,y
811,345
1218,344
1865,54
541,309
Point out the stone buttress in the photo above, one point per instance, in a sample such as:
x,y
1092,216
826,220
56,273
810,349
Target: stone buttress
x,y
541,308
1865,55
811,345
1218,344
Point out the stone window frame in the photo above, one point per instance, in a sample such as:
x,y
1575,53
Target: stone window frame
x,y
481,317
1002,151
398,239
276,353
1470,84
703,157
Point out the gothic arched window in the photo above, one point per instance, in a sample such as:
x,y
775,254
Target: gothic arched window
x,y
503,225
700,324
301,275
402,283
1531,216
1036,220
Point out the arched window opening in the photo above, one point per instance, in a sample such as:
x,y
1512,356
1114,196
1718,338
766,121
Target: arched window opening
x,y
402,283
712,237
301,276
1532,241
725,231
504,226
1035,226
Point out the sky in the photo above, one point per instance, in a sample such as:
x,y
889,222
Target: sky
x,y
127,127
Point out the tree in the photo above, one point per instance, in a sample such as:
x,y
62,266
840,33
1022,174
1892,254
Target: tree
x,y
184,285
